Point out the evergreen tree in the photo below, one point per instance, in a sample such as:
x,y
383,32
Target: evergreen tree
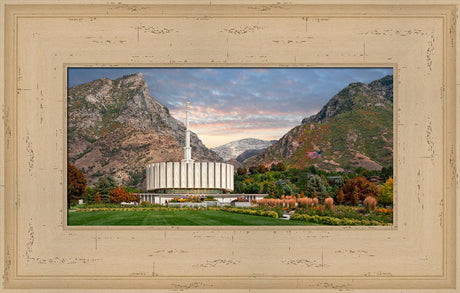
x,y
90,194
318,186
104,186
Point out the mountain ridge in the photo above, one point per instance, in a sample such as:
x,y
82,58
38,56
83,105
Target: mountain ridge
x,y
380,90
116,127
353,129
237,148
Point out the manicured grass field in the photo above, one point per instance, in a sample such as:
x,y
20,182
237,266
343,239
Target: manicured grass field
x,y
174,218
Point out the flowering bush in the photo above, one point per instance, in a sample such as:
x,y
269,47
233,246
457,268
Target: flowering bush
x,y
195,198
385,211
286,201
304,202
328,203
315,202
240,199
370,203
270,202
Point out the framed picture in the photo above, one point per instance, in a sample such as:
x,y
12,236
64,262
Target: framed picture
x,y
230,146
41,251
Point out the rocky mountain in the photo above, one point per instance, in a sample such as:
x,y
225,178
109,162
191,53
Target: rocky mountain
x,y
378,93
355,128
115,127
240,150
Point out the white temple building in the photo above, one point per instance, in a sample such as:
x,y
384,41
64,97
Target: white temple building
x,y
189,177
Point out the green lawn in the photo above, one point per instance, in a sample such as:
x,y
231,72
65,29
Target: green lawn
x,y
174,218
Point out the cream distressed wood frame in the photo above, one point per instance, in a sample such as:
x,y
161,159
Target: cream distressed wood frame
x,y
41,41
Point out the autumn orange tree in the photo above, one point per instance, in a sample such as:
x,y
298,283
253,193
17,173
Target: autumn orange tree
x,y
97,198
76,184
340,196
362,185
122,194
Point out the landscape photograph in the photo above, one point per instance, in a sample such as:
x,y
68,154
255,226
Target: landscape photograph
x,y
230,146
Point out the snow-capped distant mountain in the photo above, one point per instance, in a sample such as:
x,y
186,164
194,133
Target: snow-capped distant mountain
x,y
237,149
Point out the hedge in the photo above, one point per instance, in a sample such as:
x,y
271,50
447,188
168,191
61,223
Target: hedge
x,y
336,221
270,214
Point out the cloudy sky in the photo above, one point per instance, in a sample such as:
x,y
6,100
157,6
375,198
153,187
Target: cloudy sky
x,y
228,104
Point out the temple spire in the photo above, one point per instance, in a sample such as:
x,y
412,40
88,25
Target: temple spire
x,y
187,148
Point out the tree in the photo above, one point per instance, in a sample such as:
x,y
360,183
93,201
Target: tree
x,y
302,182
354,196
386,172
262,169
253,169
90,194
254,188
104,186
340,196
314,194
270,189
97,198
364,187
239,187
312,169
122,194
287,189
241,171
318,186
386,192
360,171
280,166
76,184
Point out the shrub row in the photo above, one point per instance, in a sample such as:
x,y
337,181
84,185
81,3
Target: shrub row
x,y
270,214
155,208
336,221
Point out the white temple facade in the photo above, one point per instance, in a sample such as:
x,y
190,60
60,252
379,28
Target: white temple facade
x,y
187,176
191,178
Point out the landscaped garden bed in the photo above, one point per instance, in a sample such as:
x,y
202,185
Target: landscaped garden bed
x,y
310,210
